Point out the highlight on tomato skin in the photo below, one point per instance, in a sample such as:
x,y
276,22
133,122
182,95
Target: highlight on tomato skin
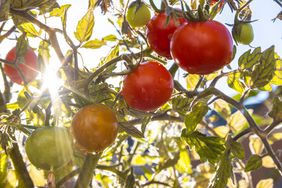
x,y
202,47
94,127
159,33
29,67
147,87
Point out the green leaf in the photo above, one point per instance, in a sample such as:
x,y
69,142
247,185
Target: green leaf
x,y
29,29
277,78
94,44
263,72
248,59
257,68
21,46
181,104
28,4
131,130
234,82
195,116
85,26
92,3
223,172
276,112
44,51
110,38
192,80
4,10
113,53
184,163
254,162
237,149
25,26
208,147
48,6
59,12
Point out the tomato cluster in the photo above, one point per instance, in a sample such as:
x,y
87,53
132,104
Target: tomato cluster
x,y
27,65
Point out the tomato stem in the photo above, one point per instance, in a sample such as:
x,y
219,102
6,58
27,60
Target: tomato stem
x,y
173,69
86,173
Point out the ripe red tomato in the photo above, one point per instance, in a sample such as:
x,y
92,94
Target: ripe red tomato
x,y
147,87
159,33
29,67
202,47
94,127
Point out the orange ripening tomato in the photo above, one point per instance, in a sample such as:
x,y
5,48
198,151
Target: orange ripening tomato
x,y
94,127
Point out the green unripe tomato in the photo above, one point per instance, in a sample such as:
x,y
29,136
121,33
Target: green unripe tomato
x,y
138,14
243,33
49,147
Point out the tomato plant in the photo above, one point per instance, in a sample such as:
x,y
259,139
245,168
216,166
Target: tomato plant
x,y
49,148
112,106
202,47
138,14
28,66
243,33
94,127
147,87
159,32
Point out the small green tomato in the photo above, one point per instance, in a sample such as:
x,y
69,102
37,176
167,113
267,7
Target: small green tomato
x,y
243,33
138,14
49,147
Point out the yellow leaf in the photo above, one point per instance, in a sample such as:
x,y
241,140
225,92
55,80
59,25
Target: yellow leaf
x,y
266,183
267,162
221,131
255,144
37,176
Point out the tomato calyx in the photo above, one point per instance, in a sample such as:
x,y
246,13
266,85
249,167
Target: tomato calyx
x,y
242,30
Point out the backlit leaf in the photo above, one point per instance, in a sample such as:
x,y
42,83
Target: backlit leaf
x,y
223,172
85,26
253,163
265,183
195,116
208,147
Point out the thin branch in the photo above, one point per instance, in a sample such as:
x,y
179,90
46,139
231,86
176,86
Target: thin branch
x,y
278,2
8,33
86,173
51,31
